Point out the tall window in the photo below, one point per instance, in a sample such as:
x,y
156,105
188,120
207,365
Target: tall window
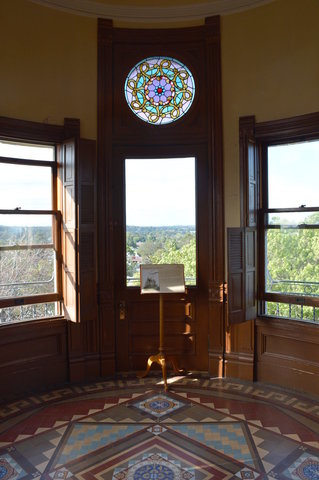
x,y
160,215
30,270
291,231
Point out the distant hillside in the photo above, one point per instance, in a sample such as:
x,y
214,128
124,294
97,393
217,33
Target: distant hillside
x,y
23,235
165,244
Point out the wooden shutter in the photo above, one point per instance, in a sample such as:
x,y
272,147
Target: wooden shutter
x,y
249,172
242,241
67,204
87,230
241,246
252,183
77,175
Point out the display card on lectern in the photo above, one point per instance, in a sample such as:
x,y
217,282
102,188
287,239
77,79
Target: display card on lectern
x,y
162,278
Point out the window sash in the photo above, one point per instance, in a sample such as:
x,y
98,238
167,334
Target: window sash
x,y
299,298
56,227
56,244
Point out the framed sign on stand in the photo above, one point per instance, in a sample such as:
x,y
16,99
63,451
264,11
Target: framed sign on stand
x,y
162,279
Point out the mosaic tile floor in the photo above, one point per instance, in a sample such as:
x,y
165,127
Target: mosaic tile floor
x,y
131,429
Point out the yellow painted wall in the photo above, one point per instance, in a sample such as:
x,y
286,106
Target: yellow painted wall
x,y
270,69
48,65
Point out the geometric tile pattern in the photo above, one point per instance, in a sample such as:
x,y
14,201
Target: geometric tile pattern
x,y
159,405
130,429
154,466
85,438
227,438
301,465
306,468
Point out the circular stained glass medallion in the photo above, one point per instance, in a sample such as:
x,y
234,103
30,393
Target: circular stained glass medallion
x,y
159,90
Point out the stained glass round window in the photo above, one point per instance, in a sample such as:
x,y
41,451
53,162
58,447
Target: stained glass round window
x,y
159,90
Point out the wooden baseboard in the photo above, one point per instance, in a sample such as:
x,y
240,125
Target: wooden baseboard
x,y
238,365
292,378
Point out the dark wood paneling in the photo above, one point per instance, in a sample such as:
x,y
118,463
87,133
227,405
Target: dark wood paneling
x,y
239,355
107,336
32,356
41,132
287,354
215,201
187,47
104,195
143,327
198,133
84,338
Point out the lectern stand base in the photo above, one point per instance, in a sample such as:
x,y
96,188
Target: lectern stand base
x,y
162,360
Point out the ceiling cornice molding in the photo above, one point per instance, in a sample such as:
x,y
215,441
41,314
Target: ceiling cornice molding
x,y
165,14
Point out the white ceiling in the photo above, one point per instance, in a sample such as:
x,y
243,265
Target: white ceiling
x,y
142,11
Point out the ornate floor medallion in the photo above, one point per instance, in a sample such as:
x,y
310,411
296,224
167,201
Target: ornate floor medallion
x,y
6,470
133,430
154,466
159,405
304,467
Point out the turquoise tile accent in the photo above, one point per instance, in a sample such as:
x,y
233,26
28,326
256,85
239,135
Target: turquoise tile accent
x,y
86,438
227,438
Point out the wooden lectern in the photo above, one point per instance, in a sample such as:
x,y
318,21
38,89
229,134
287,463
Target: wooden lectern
x,y
162,279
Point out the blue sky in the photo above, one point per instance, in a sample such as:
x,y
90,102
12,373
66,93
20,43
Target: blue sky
x,y
160,192
294,175
25,187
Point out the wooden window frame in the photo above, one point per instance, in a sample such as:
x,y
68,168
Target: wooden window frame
x,y
18,131
254,139
280,132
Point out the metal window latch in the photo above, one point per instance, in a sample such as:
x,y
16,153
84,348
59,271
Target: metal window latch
x,y
122,307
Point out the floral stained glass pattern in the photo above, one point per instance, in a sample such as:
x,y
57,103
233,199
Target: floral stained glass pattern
x,y
159,90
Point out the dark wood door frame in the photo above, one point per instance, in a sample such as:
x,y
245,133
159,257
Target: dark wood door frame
x,y
199,49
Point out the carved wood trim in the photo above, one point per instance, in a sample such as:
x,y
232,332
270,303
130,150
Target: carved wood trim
x,y
216,287
105,288
104,154
246,133
36,131
216,292
293,128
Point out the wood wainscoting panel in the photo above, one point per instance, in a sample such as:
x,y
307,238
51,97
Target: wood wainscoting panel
x,y
239,354
32,356
287,354
143,326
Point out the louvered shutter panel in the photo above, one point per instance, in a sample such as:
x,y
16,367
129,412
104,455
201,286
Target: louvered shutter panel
x,y
252,183
236,284
241,274
87,229
67,177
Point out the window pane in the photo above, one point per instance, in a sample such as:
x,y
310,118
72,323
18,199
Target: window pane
x,y
28,312
292,261
295,219
293,172
160,215
25,187
28,256
27,152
